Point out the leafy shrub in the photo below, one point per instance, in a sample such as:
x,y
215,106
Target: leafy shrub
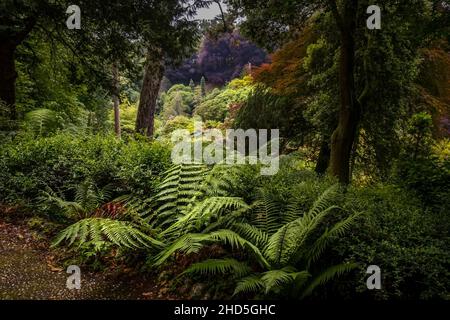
x,y
215,105
179,122
424,166
408,243
29,165
179,100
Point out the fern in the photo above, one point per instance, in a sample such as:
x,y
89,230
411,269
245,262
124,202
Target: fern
x,y
327,275
219,266
204,211
338,230
189,243
276,279
249,284
42,121
87,201
177,191
119,233
281,242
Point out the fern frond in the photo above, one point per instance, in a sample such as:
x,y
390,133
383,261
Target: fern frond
x,y
120,233
42,121
253,234
267,215
284,245
324,201
219,266
236,241
204,211
189,243
338,230
279,278
178,189
328,275
249,284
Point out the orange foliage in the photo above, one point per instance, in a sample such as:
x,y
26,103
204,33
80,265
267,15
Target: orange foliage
x,y
285,74
111,210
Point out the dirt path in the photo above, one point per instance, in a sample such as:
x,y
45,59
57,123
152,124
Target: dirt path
x,y
27,271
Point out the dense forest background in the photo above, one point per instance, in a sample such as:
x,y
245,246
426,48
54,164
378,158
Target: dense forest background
x,y
87,118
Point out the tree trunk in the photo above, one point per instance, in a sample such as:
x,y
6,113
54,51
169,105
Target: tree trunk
x,y
116,100
8,76
324,157
349,114
154,73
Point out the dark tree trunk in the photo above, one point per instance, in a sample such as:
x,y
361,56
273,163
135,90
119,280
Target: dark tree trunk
x,y
8,76
323,161
349,114
116,100
154,72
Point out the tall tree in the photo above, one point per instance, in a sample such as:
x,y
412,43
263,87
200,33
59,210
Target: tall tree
x,y
153,75
203,86
169,36
273,23
350,112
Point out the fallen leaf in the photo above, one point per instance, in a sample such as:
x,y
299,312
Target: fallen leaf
x,y
54,269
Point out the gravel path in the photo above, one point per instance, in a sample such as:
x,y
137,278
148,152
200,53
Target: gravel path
x,y
27,271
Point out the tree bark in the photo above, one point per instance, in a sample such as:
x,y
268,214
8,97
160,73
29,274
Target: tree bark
x,y
349,114
8,76
154,72
116,100
324,157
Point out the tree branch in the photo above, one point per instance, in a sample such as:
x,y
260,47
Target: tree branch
x,y
225,26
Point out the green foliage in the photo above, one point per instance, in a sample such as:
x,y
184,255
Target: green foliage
x,y
52,90
408,242
215,105
285,246
178,101
98,231
421,167
265,110
87,199
176,192
30,165
42,122
179,122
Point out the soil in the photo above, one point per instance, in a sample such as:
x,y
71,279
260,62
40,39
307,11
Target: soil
x,y
28,271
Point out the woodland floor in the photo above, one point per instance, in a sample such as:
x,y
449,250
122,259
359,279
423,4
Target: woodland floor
x,y
28,271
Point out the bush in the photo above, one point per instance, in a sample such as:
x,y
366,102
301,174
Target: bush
x,y
215,105
408,243
28,166
424,166
427,176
